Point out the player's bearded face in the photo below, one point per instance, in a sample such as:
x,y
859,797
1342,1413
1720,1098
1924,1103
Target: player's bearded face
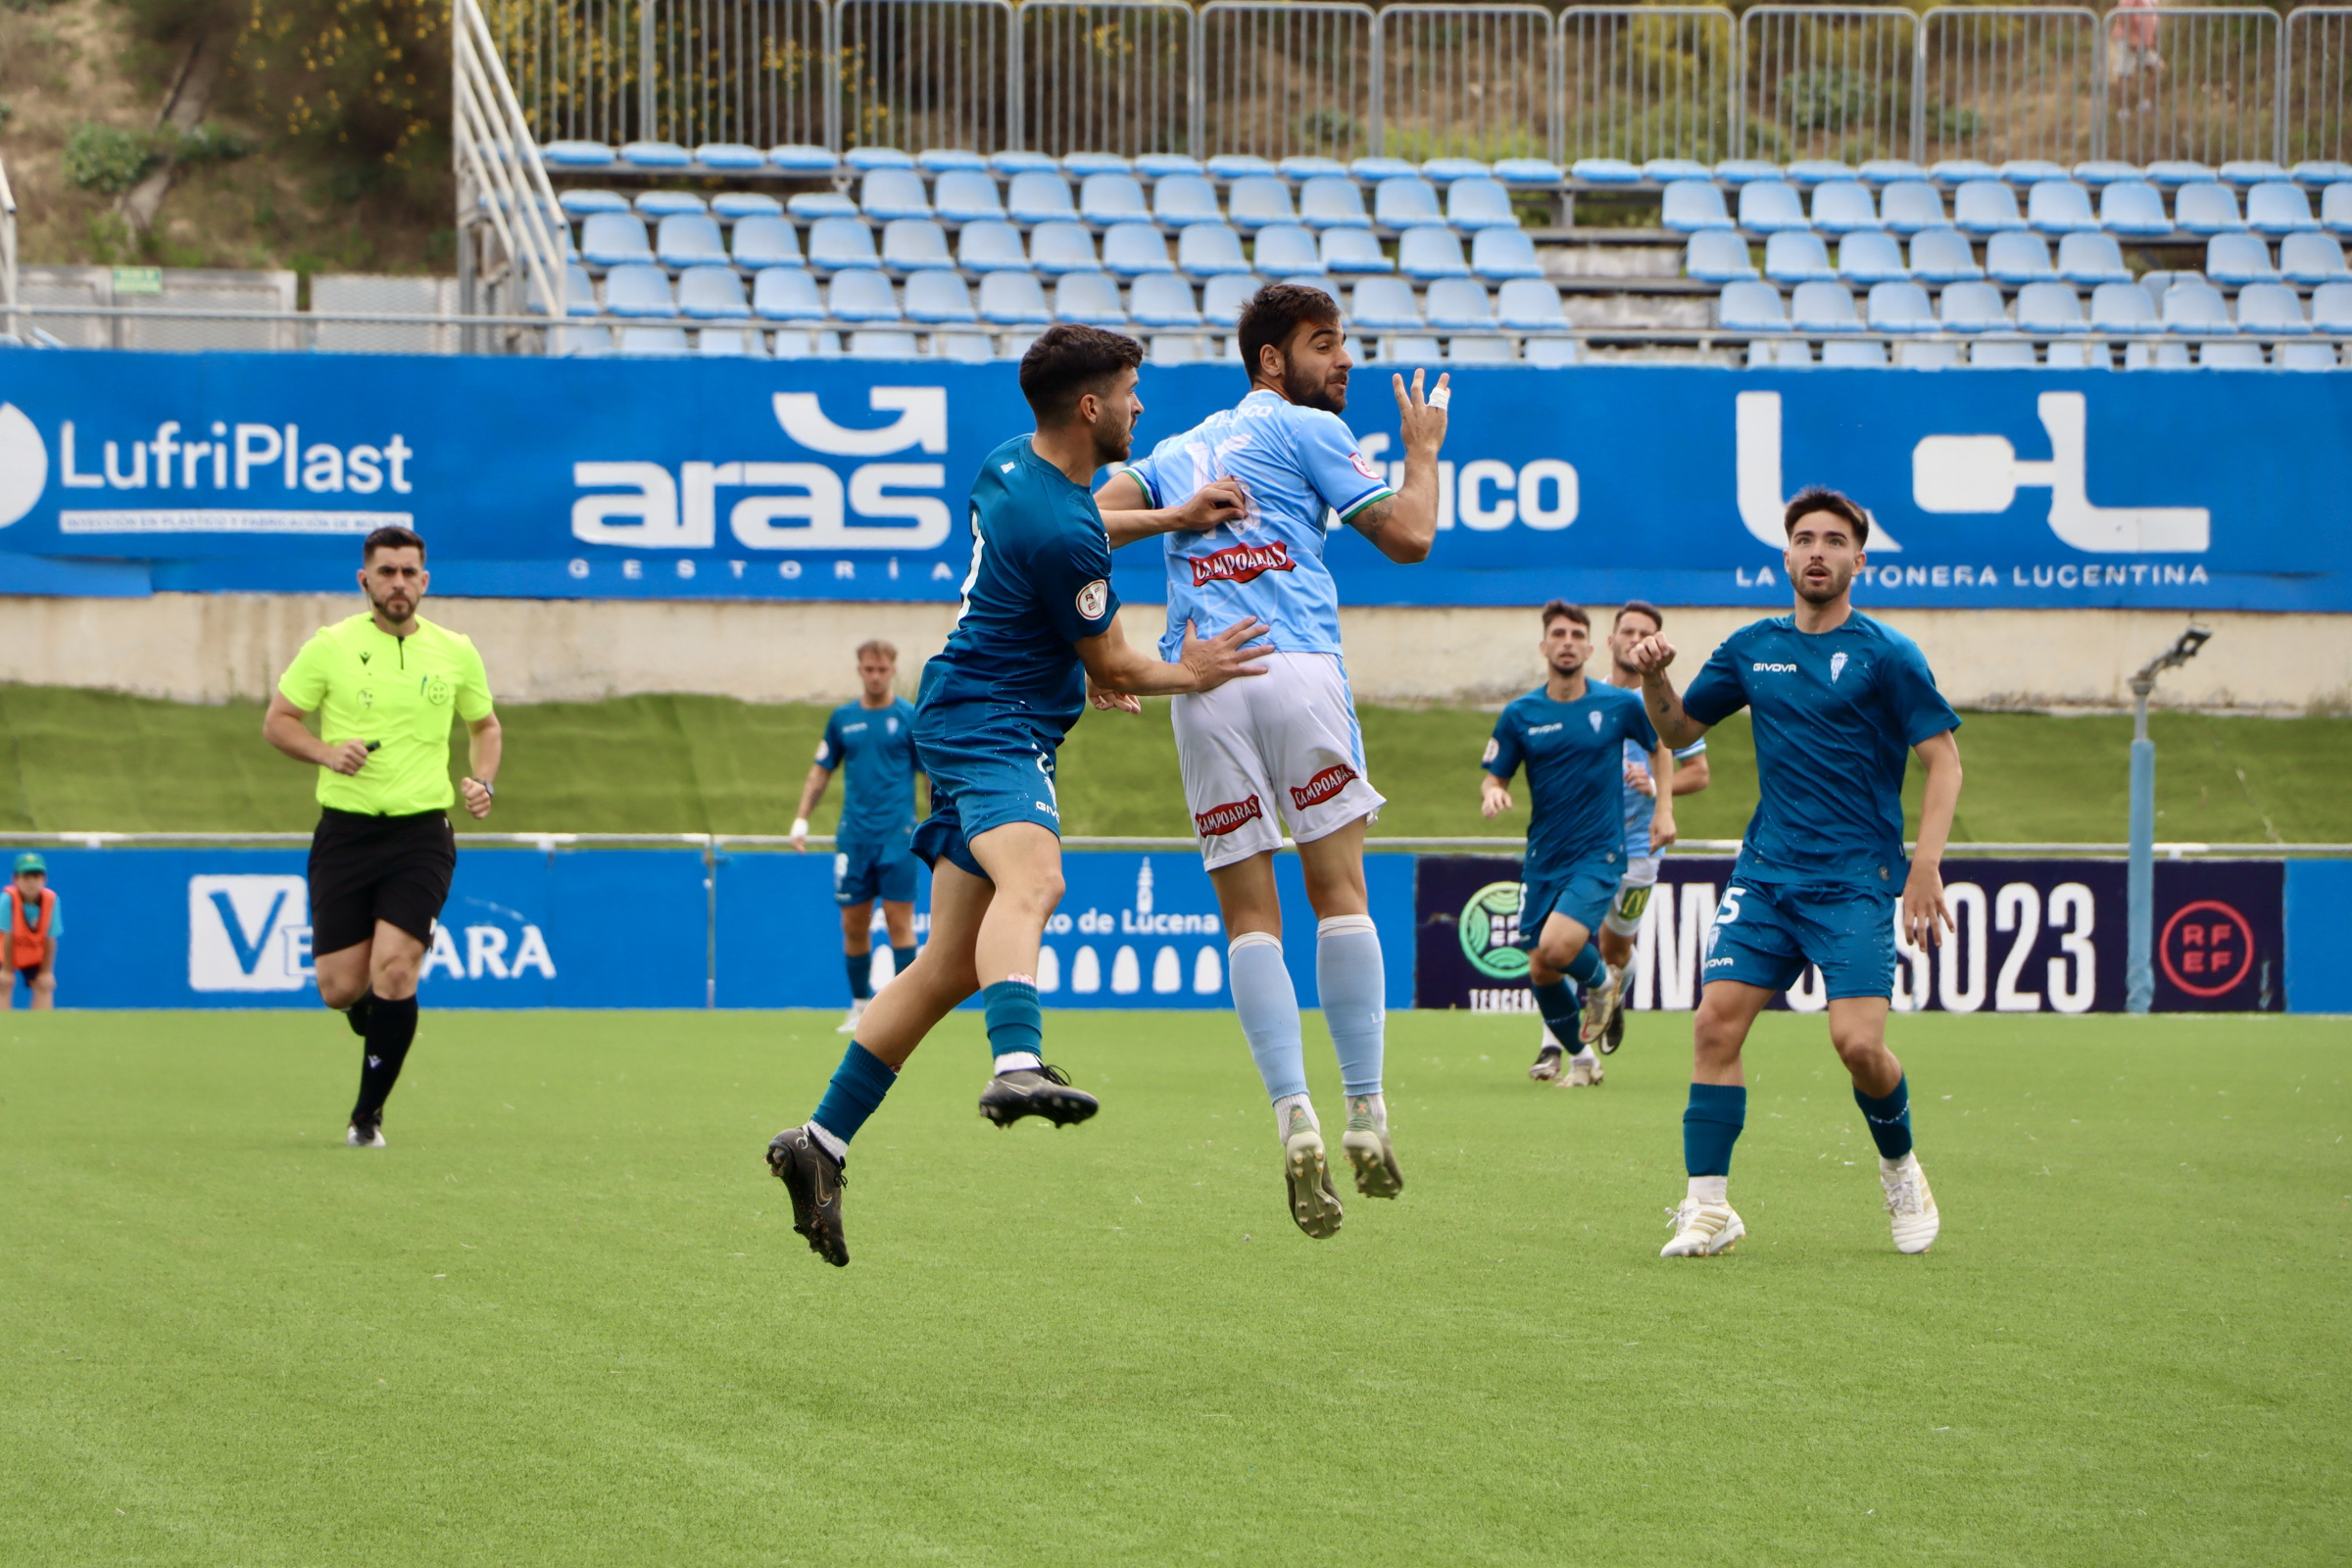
x,y
1821,560
1629,630
1315,369
1115,419
394,582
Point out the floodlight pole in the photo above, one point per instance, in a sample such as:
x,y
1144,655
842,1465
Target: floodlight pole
x,y
2140,974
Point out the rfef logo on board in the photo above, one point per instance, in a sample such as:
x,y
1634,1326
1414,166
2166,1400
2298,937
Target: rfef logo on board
x,y
2207,947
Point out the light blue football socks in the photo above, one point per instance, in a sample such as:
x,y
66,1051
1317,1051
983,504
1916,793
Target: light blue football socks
x,y
1354,982
1267,1004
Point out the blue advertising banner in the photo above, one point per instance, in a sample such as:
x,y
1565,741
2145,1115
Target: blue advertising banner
x,y
125,474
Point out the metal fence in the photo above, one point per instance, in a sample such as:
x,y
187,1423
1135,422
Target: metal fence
x,y
2189,82
926,73
1279,78
742,70
1473,81
2021,81
1106,76
1656,82
2315,62
1820,81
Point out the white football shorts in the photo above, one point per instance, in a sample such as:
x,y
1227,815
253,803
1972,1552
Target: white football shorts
x,y
1273,750
1632,894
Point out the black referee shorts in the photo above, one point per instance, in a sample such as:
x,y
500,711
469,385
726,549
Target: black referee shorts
x,y
369,868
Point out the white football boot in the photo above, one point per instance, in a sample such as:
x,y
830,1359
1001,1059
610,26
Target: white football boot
x,y
1601,1005
1702,1230
1583,1070
1314,1203
364,1135
1910,1204
1550,1057
849,1025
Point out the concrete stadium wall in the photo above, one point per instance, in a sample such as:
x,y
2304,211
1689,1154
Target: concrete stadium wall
x,y
212,647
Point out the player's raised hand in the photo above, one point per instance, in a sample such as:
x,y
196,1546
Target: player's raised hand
x,y
1112,701
347,758
1422,420
1214,661
1651,654
1221,500
1925,917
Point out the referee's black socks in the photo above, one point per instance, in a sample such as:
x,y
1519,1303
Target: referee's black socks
x,y
391,1029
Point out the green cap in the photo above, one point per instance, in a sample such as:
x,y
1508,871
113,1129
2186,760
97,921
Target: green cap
x,y
31,862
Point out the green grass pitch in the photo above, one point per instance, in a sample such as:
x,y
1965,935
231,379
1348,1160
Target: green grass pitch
x,y
563,1318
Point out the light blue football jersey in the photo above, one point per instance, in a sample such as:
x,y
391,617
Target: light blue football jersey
x,y
1294,463
1637,805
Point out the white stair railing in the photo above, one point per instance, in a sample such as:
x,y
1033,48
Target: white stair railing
x,y
499,168
8,257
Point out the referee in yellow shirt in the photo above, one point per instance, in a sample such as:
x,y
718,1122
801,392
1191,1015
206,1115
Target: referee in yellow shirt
x,y
383,684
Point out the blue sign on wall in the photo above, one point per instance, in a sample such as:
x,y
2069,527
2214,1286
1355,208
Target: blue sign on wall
x,y
123,474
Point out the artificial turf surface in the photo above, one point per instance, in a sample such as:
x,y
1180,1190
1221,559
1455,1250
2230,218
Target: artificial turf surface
x,y
563,1318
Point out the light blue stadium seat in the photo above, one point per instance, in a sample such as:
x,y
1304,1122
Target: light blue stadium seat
x,y
712,294
2312,259
734,205
1162,299
1666,171
860,294
2016,256
639,290
1910,206
1372,170
965,348
1844,207
1178,200
1301,168
653,342
1717,256
2122,308
2100,173
913,244
1753,307
1886,170
864,158
1692,206
582,203
1961,171
579,342
2031,172
967,196
801,158
785,294
2244,173
888,193
1499,253
1223,296
1092,298
1470,348
614,239
1130,249
1555,352
1900,308
950,159
2076,355
1352,251
1944,256
1770,207
2001,354
1385,304
1458,304
2228,355
1163,166
2091,259
2157,282
2060,207
1973,307
2275,207
1985,206
1230,166
2305,357
1256,200
2196,309
1406,201
1446,170
1527,302
1852,356
1430,251
811,204
1014,299
1409,348
655,154
2319,172
838,242
2156,356
872,344
1590,170
576,154
1208,250
580,294
689,239
1086,166
1478,201
2049,308
1009,163
2207,207
2271,310
1108,199
661,204
2239,259
2335,207
2332,308
1176,348
2133,207
1791,353
991,246
1798,258
1333,201
1919,354
1870,257
1039,196
1742,171
1283,249
1822,308
1062,247
939,296
730,343
731,155
1812,172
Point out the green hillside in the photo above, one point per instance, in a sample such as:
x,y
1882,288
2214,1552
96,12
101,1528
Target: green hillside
x,y
81,760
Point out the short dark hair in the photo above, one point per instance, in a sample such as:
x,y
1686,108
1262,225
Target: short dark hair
x,y
1821,498
1562,608
1638,607
1067,362
393,538
1274,312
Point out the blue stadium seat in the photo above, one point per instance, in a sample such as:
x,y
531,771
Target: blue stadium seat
x,y
1478,201
2091,259
1283,249
1446,170
1163,166
1812,172
1590,170
2231,357
1973,307
712,294
1798,258
1402,202
1499,253
1666,171
1822,308
2332,308
1471,348
1692,206
731,155
1910,206
1010,164
1014,299
614,239
1944,256
914,245
1354,249
1458,303
661,204
1742,170
838,242
1852,356
1179,200
637,290
1230,166
734,205
1301,168
2207,207
1087,165
1900,308
1872,257
1333,201
785,294
2156,356
2239,259
575,154
2158,281
1844,207
860,294
2335,207
1176,348
1256,200
2312,259
1770,207
1039,196
2060,207
652,342
888,193
2014,257
2271,310
2031,172
1792,354
2196,309
1961,171
937,161
730,343
1753,307
2247,171
689,241
655,154
579,342
2122,308
1385,304
1430,251
1927,354
1108,199
1372,170
2275,207
1223,296
1208,250
965,348
1411,348
1886,170
1717,256
2319,172
1529,302
864,158
992,246
939,296
2100,173
870,345
2133,207
580,294
1162,299
1985,206
1555,352
811,204
1130,249
2001,354
582,203
801,158
1092,298
2305,357
2076,355
1062,247
967,196
2049,308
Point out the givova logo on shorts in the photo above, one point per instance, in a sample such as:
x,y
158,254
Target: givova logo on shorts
x,y
249,933
1488,926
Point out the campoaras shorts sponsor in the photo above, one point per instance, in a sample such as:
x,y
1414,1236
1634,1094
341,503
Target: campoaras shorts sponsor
x,y
1219,821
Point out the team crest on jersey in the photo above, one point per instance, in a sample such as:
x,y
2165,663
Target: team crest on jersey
x,y
1366,469
1323,786
1093,598
1242,563
1837,668
1594,717
1219,821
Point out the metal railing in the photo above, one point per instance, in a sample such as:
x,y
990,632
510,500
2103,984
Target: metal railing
x,y
1285,77
500,175
8,257
1652,81
1825,81
739,71
2193,83
2315,64
926,73
2019,81
1106,76
1476,81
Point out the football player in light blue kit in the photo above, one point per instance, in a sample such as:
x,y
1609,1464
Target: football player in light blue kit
x,y
1838,700
1039,623
872,740
1573,735
1257,754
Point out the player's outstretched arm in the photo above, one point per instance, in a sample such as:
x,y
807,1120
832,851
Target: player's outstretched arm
x,y
1494,796
1406,525
1113,665
812,790
1128,513
1678,729
283,727
1925,917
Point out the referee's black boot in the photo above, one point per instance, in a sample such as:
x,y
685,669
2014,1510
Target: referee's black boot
x,y
814,1180
356,1014
1035,1092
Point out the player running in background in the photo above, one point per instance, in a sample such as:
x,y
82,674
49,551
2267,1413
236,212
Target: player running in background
x,y
1039,623
1573,734
1648,828
873,848
1288,744
1837,700
383,685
